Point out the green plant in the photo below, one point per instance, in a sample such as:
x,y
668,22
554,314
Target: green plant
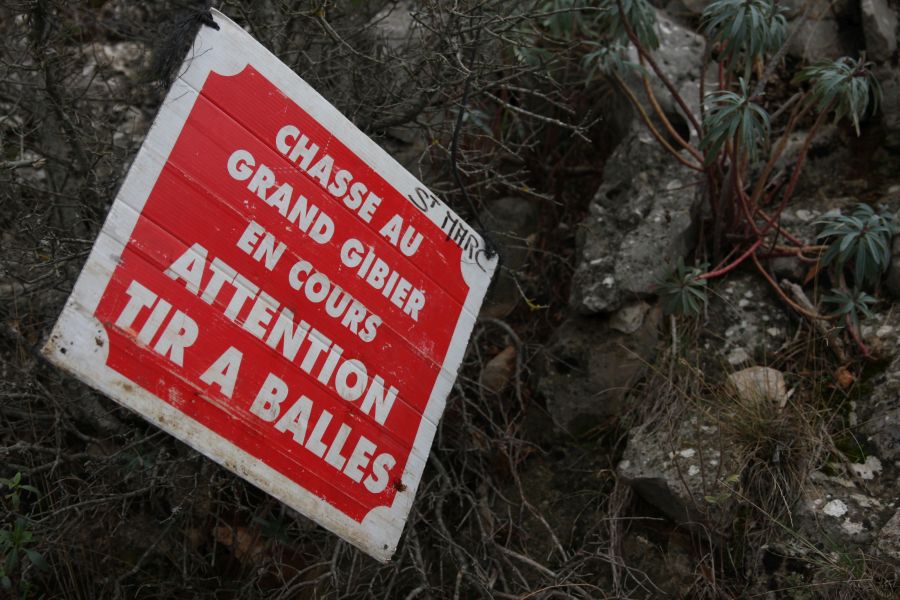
x,y
606,59
739,137
683,292
564,17
639,17
732,117
745,30
16,487
17,537
845,86
850,304
14,544
858,246
862,240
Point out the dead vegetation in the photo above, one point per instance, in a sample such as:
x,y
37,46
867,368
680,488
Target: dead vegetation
x,y
493,102
115,508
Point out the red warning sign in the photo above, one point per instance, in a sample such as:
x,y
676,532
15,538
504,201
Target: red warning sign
x,y
277,292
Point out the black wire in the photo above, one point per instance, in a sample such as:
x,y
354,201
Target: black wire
x,y
170,52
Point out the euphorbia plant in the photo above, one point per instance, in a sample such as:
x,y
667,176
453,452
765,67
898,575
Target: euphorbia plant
x,y
731,142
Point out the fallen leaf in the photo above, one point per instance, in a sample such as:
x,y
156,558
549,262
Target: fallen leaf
x,y
844,377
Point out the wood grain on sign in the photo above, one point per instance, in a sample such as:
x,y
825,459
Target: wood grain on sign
x,y
276,291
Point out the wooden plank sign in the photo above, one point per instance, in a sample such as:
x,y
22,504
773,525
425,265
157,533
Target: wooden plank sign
x,y
274,290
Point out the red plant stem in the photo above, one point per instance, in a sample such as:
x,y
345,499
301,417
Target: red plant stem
x,y
725,260
779,250
649,124
772,222
854,333
799,112
777,254
648,90
801,159
733,265
819,248
702,86
787,234
743,200
721,74
629,31
783,296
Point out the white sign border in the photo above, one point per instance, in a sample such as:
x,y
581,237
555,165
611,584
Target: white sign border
x,y
79,345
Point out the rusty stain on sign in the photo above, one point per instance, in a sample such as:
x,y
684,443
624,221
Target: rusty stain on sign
x,y
273,289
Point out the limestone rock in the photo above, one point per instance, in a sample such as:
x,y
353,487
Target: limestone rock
x,y
684,471
882,428
888,538
839,9
641,219
696,6
879,411
833,507
889,77
396,36
879,23
511,222
752,321
686,9
396,27
590,366
818,39
893,273
630,318
760,385
680,55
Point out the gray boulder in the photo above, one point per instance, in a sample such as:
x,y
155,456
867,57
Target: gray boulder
x,y
840,9
512,222
889,77
748,320
881,424
642,217
893,274
837,509
592,362
683,468
888,538
680,56
641,220
396,26
818,39
879,411
396,36
879,22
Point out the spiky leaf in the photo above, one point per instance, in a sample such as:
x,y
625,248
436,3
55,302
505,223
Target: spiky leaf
x,y
733,116
851,304
745,29
638,13
845,86
682,291
607,59
860,240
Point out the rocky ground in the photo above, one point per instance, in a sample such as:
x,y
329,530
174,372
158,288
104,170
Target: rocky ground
x,y
594,447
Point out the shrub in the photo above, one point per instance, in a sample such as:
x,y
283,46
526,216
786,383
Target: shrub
x,y
736,154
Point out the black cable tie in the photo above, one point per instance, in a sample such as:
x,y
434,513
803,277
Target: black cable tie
x,y
170,52
206,18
